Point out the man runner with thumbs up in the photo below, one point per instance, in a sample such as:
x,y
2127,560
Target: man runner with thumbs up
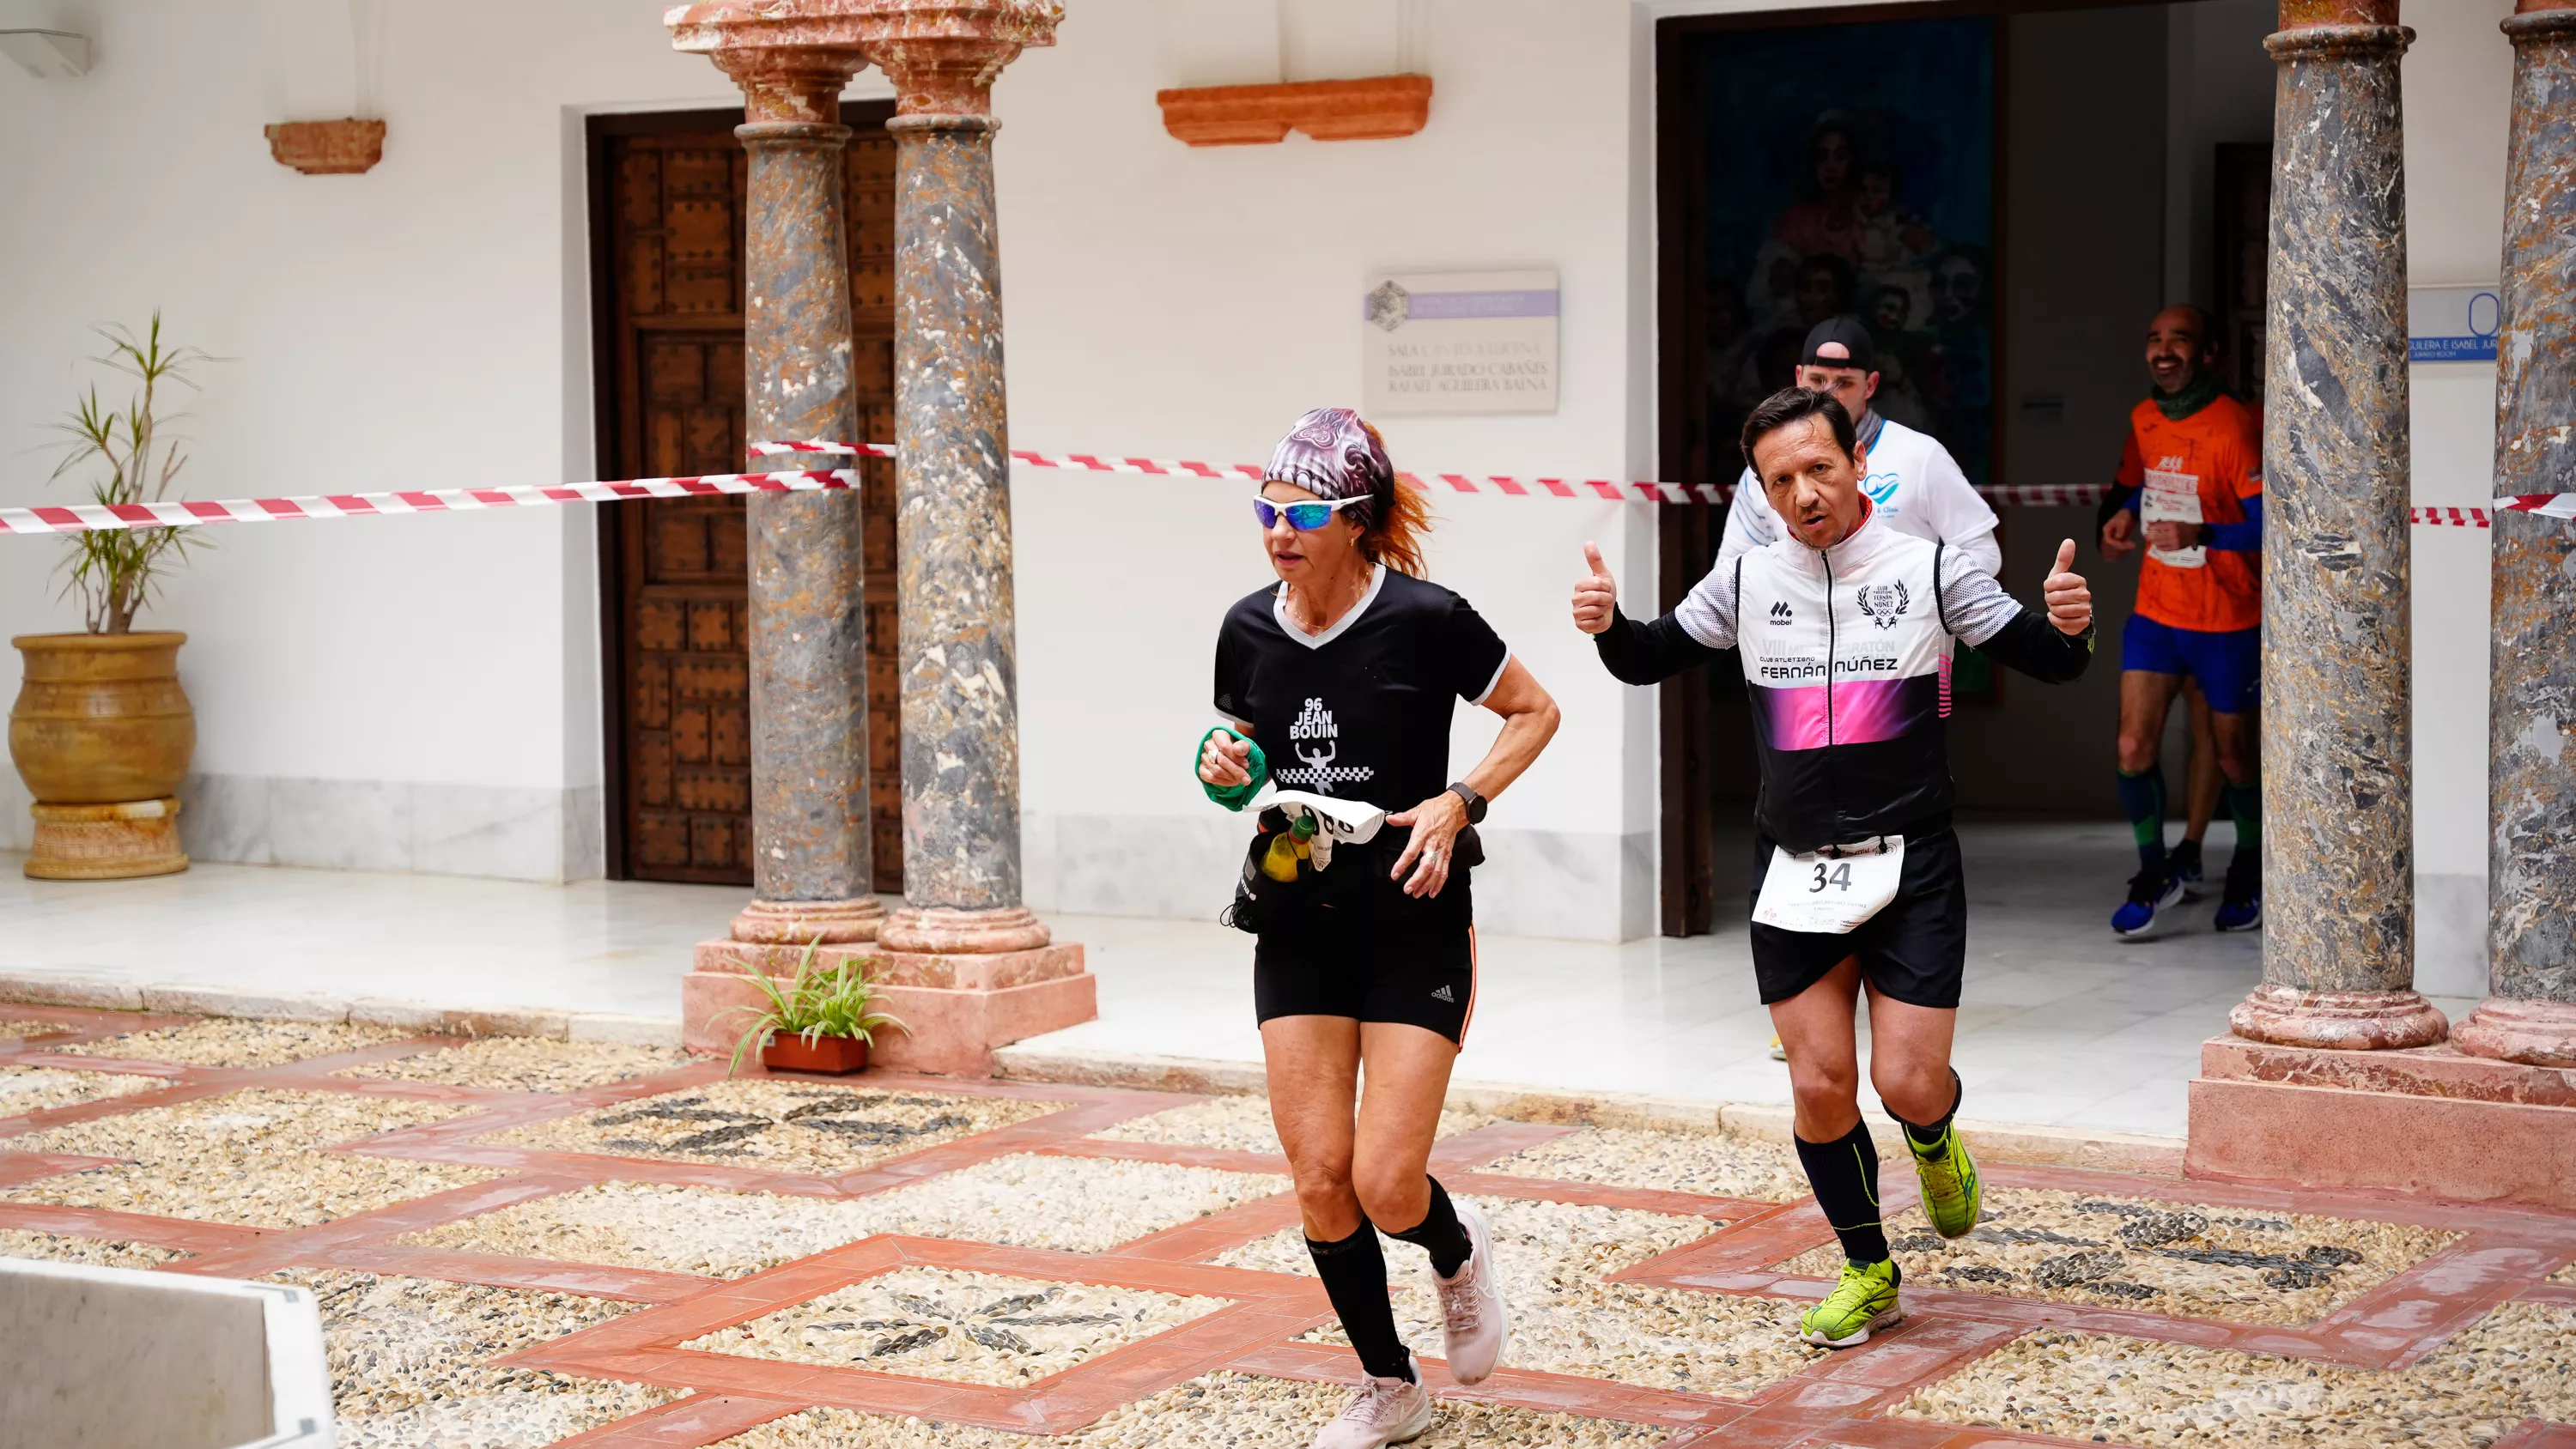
x,y
1846,627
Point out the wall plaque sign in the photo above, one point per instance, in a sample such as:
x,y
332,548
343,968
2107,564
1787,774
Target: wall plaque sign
x,y
1459,342
2452,324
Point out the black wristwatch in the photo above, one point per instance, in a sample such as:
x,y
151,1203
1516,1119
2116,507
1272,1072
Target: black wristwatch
x,y
1475,803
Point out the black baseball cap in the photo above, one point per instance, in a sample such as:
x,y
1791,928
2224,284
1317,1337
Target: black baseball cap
x,y
1845,333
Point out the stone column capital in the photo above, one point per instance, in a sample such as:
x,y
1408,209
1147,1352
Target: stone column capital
x,y
792,84
942,55
2318,14
942,76
2540,20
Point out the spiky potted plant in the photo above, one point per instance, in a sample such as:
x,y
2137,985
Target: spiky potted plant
x,y
101,731
821,1021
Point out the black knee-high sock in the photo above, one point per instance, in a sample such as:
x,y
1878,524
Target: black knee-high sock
x,y
1844,1173
1440,1234
1927,1134
1354,1274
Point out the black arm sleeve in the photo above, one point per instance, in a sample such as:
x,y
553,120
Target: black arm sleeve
x,y
1638,653
2034,646
2114,498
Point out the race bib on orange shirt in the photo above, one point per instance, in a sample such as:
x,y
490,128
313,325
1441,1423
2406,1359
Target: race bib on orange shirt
x,y
2173,498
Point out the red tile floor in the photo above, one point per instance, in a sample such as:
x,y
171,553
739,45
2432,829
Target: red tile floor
x,y
2499,1256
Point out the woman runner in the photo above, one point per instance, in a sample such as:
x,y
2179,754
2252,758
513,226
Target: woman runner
x,y
1345,674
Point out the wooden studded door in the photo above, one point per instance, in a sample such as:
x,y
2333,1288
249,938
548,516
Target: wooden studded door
x,y
668,222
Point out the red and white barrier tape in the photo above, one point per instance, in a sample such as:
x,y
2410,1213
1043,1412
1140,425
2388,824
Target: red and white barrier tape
x,y
85,517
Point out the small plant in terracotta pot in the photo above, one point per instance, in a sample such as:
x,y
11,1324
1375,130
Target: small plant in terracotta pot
x,y
818,1022
101,731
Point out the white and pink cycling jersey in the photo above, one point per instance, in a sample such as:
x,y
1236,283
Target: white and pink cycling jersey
x,y
1847,658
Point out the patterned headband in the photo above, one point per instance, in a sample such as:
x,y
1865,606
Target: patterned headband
x,y
1332,454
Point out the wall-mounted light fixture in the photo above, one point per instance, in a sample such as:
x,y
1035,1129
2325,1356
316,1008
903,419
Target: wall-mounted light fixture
x,y
47,54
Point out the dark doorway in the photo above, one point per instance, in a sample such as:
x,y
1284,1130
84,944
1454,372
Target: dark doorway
x,y
667,234
1755,248
2128,169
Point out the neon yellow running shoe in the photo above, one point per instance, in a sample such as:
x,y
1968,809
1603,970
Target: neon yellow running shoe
x,y
1864,1300
1951,1198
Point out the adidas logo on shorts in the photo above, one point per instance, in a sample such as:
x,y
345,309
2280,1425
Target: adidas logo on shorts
x,y
1443,995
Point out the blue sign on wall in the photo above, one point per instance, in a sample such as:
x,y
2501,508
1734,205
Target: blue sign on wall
x,y
2452,324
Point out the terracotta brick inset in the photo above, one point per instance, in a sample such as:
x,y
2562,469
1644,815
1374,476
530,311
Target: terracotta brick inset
x,y
1345,110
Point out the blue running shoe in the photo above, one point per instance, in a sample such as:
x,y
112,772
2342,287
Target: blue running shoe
x,y
2184,861
2241,907
2150,891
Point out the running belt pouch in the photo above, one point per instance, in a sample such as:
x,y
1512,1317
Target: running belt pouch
x,y
1356,890
1264,906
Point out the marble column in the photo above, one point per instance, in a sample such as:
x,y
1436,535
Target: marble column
x,y
809,706
961,755
2530,1016
2338,808
964,965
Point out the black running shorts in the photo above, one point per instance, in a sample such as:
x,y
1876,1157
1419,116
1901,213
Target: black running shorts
x,y
1914,950
1422,974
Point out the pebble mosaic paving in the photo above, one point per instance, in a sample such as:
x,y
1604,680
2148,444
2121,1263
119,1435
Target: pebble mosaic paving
x,y
779,1126
2191,1262
519,1242
525,1064
235,1043
27,1026
34,1089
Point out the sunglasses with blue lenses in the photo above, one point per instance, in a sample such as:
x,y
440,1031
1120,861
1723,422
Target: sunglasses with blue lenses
x,y
1303,517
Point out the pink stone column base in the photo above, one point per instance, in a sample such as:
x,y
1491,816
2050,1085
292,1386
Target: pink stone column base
x,y
2324,1137
960,1007
2536,1033
954,1033
799,922
2337,1020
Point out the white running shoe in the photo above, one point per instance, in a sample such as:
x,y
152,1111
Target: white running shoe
x,y
1474,1324
1383,1412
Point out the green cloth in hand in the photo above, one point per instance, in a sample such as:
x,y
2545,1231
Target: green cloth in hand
x,y
1232,796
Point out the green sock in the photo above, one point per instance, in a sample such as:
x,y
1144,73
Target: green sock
x,y
2245,807
2142,798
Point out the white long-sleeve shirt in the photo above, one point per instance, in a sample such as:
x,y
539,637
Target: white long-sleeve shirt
x,y
1914,484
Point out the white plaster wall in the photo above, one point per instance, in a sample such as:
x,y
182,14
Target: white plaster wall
x,y
407,694
423,693
1191,302
2458,77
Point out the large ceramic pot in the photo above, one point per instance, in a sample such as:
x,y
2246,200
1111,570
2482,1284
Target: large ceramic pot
x,y
102,734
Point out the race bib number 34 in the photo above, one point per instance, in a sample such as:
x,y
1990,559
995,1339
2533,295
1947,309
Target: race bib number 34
x,y
1829,894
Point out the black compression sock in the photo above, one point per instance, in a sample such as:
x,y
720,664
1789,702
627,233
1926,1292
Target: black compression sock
x,y
1928,1134
1844,1173
1354,1274
1440,1234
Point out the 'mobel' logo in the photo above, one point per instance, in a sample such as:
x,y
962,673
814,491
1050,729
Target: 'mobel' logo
x,y
1781,613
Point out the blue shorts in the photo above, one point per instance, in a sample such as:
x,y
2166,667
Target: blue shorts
x,y
2228,663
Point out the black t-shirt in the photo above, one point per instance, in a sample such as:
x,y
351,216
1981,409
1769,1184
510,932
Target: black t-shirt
x,y
1361,711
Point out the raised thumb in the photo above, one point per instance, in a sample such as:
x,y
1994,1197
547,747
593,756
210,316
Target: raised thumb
x,y
1592,556
2065,557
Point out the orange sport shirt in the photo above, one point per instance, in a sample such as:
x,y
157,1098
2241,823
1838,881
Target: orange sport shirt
x,y
2220,448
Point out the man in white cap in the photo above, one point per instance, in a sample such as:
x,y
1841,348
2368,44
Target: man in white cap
x,y
1913,484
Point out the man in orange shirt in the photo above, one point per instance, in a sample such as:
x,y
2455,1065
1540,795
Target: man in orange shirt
x,y
2193,472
